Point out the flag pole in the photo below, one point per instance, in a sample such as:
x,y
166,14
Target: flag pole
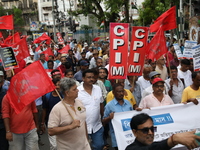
x,y
64,103
104,28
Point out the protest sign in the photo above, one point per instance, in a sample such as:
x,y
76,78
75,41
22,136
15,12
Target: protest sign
x,y
196,57
137,51
8,58
119,41
169,120
187,53
178,51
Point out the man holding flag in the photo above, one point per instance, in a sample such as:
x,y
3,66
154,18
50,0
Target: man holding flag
x,y
19,109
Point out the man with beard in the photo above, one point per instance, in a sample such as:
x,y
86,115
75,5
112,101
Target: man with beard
x,y
103,73
143,129
157,98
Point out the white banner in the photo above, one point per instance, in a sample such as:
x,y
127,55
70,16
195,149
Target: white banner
x,y
187,53
178,51
196,58
169,120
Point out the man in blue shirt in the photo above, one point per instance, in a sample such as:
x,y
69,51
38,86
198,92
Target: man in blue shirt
x,y
118,104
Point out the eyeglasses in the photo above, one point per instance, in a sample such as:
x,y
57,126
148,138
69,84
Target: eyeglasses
x,y
157,86
146,130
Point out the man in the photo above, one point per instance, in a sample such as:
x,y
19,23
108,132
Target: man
x,y
143,130
3,141
43,61
184,72
83,66
149,89
131,84
103,73
99,83
160,68
174,85
143,81
94,59
72,59
54,62
56,74
70,74
92,99
89,53
127,95
157,98
99,63
21,131
192,92
50,64
118,104
62,67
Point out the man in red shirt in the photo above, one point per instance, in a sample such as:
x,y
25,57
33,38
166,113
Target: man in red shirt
x,y
21,131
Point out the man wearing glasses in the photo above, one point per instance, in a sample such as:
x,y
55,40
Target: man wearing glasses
x,y
143,129
157,98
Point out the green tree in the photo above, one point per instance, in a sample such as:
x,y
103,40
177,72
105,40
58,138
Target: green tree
x,y
110,14
152,9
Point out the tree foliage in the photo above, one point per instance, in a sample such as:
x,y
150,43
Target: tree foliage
x,y
152,9
17,14
109,14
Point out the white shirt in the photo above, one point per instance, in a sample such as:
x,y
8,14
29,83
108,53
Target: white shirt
x,y
176,91
143,83
186,76
92,104
88,54
77,55
92,63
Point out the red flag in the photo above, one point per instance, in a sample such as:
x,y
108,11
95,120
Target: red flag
x,y
167,20
6,22
21,49
48,71
29,84
1,38
12,39
62,73
43,37
64,50
47,53
157,47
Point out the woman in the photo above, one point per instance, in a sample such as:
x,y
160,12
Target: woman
x,y
67,119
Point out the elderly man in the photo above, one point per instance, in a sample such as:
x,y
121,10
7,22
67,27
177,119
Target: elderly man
x,y
118,104
143,129
161,68
157,98
144,81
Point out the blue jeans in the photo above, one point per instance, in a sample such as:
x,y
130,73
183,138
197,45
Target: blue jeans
x,y
97,139
28,140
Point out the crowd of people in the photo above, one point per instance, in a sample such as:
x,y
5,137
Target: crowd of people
x,y
78,113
